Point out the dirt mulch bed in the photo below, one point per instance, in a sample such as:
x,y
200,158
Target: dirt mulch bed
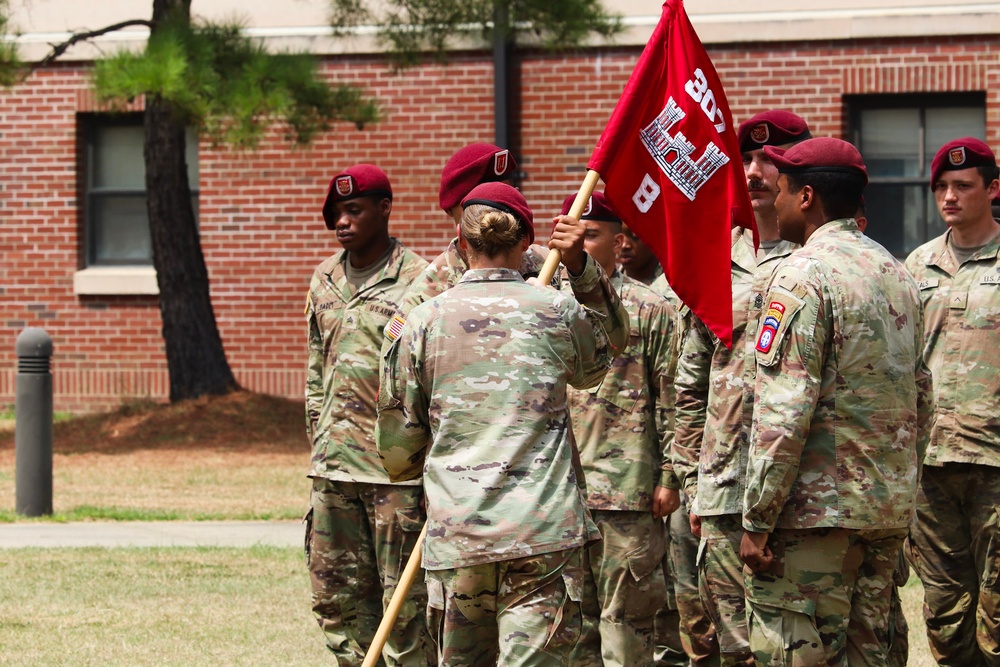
x,y
235,421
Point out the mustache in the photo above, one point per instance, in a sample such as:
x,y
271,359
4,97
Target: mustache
x,y
757,186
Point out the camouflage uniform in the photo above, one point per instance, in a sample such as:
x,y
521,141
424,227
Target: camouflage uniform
x,y
361,526
715,397
623,429
446,271
842,398
955,540
474,396
684,634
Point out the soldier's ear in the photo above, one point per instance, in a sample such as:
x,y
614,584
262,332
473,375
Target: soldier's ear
x,y
807,197
385,206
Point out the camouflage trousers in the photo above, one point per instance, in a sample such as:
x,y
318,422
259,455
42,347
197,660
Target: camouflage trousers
x,y
684,634
826,599
516,613
623,589
955,550
722,586
358,539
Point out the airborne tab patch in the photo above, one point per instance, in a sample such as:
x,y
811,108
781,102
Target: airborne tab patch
x,y
394,328
769,327
775,321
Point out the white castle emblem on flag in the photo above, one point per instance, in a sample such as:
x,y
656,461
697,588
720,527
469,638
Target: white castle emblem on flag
x,y
673,152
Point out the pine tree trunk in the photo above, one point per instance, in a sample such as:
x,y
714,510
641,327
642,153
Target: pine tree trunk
x,y
196,359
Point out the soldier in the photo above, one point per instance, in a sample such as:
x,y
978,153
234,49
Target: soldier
x,y
623,429
361,526
474,397
955,539
715,393
683,631
637,260
468,167
842,396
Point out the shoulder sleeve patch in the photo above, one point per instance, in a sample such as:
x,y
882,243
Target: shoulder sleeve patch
x,y
775,320
394,327
309,301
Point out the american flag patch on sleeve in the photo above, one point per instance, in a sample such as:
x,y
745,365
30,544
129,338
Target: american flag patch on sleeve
x,y
394,328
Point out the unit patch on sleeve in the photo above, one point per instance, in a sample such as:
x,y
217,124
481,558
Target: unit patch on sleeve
x,y
774,323
769,327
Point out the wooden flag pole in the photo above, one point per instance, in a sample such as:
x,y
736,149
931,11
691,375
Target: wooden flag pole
x,y
413,565
396,602
576,210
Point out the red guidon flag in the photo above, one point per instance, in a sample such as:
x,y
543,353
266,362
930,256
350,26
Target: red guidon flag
x,y
671,166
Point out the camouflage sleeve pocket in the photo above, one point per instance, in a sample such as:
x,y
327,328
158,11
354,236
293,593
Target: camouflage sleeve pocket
x,y
388,391
774,324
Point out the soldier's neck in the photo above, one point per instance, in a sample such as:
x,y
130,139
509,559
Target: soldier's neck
x,y
978,234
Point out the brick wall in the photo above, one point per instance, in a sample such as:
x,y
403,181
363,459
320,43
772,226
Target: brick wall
x,y
261,229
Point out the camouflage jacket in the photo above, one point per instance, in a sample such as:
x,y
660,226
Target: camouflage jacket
x,y
624,426
345,339
715,389
962,349
842,391
447,269
474,398
661,286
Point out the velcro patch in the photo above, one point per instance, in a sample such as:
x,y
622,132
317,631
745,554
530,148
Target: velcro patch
x,y
769,327
782,306
394,327
927,284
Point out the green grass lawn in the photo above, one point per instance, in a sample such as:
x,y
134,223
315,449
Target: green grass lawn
x,y
157,607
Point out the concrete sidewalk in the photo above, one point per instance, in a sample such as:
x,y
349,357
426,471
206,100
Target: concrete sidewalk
x,y
152,534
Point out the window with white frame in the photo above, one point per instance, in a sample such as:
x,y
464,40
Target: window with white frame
x,y
898,136
116,224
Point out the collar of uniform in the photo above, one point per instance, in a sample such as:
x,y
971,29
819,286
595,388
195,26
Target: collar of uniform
x,y
454,257
391,270
940,257
483,275
740,252
743,256
834,227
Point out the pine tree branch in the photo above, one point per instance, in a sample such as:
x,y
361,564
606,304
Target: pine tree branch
x,y
59,49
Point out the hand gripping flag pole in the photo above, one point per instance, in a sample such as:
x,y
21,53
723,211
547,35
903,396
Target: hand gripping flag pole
x,y
576,210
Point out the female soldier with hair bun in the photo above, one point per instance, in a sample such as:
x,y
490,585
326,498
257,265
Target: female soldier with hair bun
x,y
473,397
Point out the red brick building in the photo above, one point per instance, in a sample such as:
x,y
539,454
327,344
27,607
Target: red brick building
x,y
73,264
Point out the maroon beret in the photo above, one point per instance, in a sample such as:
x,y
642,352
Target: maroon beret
x,y
504,198
476,163
361,180
598,208
818,155
964,153
771,128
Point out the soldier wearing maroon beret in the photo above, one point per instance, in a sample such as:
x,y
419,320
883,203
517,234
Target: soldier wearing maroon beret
x,y
361,527
470,166
841,413
715,392
955,539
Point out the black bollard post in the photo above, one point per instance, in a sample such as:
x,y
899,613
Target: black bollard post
x,y
33,423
